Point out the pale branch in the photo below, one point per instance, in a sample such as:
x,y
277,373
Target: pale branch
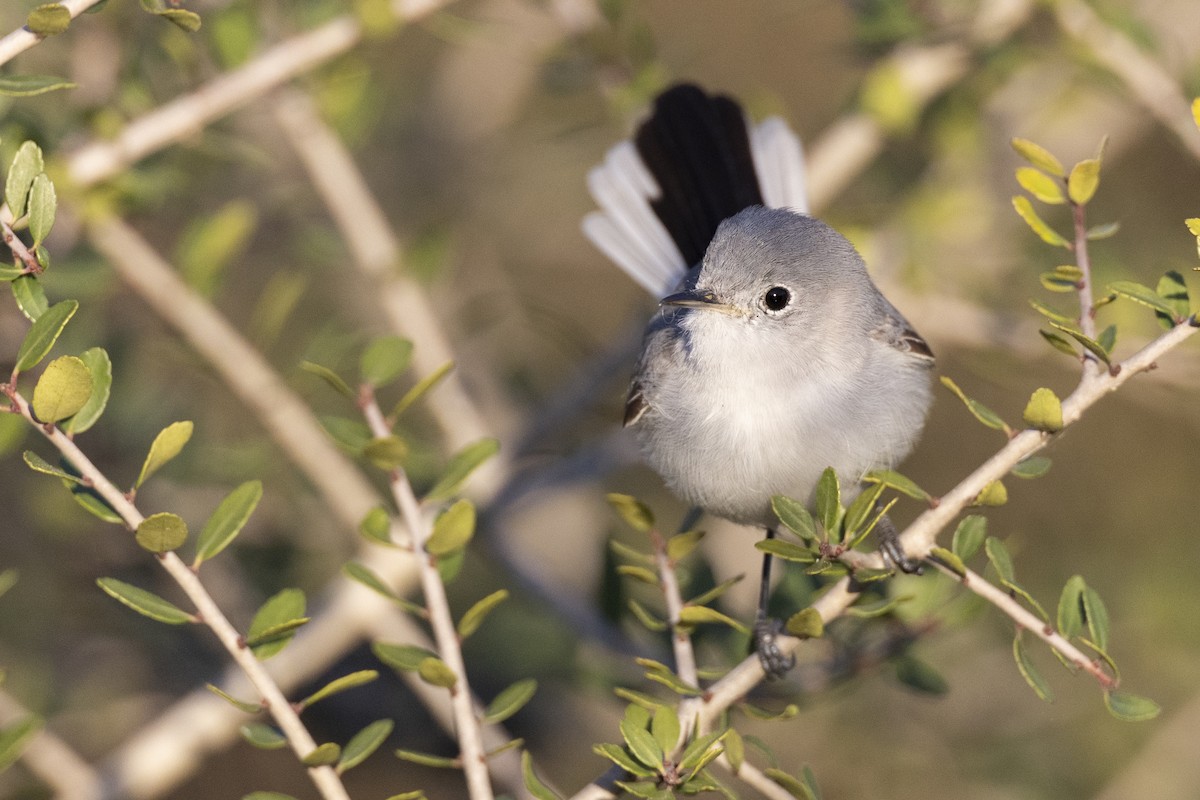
x,y
325,778
51,759
13,242
20,40
1148,82
376,254
419,523
681,641
756,779
184,116
919,538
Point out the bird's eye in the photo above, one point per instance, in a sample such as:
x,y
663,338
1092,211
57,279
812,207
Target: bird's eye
x,y
776,298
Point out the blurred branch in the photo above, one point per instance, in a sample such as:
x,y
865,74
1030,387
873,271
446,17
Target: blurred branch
x,y
50,758
681,641
20,40
184,116
1149,84
1166,762
327,781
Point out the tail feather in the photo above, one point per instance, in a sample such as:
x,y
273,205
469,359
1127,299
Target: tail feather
x,y
695,162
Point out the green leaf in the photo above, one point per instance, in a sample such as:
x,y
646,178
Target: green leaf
x,y
210,242
994,494
664,727
100,369
510,701
795,517
695,615
282,632
1070,607
632,511
44,333
453,529
186,20
63,389
339,685
281,610
15,737
384,360
882,608
323,755
1000,559
621,757
476,614
1096,617
1060,343
1039,156
27,164
31,85
1040,185
351,434
1029,672
829,501
1051,314
329,376
916,674
1131,707
1083,181
1193,225
681,545
30,296
1044,411
1064,278
969,536
735,749
436,672
386,452
364,743
162,532
1174,291
978,410
145,603
700,752
806,624
43,202
648,620
401,657
227,521
421,389
1103,231
426,760
539,790
241,705
948,559
50,19
1146,296
461,465
168,444
263,736
1031,467
94,504
377,526
1047,234
860,514
901,483
1091,345
794,786
642,745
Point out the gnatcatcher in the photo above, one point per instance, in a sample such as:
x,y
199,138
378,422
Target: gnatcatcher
x,y
773,355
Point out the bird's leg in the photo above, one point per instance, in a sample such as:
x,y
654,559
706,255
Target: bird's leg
x,y
767,629
889,547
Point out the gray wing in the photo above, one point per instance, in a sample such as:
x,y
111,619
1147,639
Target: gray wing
x,y
894,330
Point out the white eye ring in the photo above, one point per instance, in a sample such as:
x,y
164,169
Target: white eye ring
x,y
776,299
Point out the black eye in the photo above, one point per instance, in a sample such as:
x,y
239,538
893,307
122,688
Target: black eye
x,y
777,298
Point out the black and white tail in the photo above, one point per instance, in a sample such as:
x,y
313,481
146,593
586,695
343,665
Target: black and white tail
x,y
696,161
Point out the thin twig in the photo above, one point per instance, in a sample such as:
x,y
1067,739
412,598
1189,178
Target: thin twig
x,y
18,248
418,522
325,778
681,642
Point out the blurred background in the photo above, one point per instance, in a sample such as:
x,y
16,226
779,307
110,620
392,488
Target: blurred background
x,y
475,127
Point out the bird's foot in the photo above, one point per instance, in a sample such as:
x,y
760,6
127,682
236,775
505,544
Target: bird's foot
x,y
765,643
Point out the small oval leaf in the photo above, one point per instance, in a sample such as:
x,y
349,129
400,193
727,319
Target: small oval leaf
x,y
100,368
285,608
969,536
1131,707
1040,185
43,202
227,521
1083,181
476,614
27,164
166,445
461,465
161,533
452,529
263,736
339,685
510,701
1044,411
30,296
63,389
364,743
50,19
324,755
806,624
402,657
143,602
44,333
384,360
632,511
1039,157
436,672
1024,208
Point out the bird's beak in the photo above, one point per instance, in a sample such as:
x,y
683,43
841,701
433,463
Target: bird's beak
x,y
698,299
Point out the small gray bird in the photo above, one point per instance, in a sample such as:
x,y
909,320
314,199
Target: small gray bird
x,y
773,355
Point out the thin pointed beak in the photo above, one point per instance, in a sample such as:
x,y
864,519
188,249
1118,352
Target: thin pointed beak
x,y
697,299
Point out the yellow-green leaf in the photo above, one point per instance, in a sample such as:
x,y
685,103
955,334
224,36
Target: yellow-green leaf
x,y
436,672
994,494
263,736
978,410
339,685
461,465
15,737
324,755
329,376
1029,672
43,333
452,529
161,533
1048,235
43,202
145,603
241,705
401,657
1044,411
100,369
1196,116
1085,177
634,512
386,452
795,517
27,164
510,701
1039,156
695,615
227,521
166,446
423,387
31,85
1040,185
806,624
39,464
384,359
1131,707
476,614
275,622
364,743
50,19
63,389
